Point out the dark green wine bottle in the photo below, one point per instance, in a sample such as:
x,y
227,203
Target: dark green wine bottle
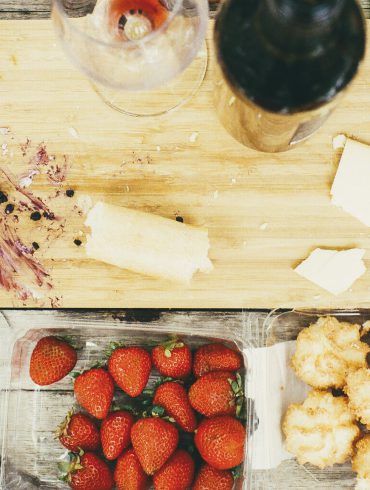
x,y
283,65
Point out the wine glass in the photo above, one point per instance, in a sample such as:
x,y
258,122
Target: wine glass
x,y
144,57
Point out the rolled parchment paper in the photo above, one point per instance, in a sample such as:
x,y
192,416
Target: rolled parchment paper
x,y
146,243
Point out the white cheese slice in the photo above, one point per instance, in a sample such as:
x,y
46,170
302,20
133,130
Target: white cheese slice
x,y
146,243
333,270
351,186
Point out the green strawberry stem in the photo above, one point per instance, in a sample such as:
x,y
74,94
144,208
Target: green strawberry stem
x,y
112,347
62,429
237,472
237,387
69,467
68,339
96,365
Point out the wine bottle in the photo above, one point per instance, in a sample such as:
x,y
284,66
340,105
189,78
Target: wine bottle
x,y
283,66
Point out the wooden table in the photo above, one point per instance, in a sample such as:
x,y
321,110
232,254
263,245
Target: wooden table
x,y
265,213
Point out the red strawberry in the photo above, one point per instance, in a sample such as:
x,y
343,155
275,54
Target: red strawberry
x,y
174,399
220,441
209,478
216,393
216,357
78,431
176,474
129,475
130,368
154,441
115,433
94,392
51,360
173,359
89,472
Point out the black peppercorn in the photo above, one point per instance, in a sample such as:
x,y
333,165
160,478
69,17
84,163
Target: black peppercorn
x,y
35,245
36,216
3,197
180,219
70,193
9,208
77,242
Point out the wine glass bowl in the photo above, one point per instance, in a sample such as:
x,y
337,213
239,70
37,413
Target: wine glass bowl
x,y
133,46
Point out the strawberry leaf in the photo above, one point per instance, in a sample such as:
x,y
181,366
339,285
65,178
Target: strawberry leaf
x,y
237,472
157,411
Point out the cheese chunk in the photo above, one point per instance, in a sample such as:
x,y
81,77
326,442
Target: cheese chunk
x,y
146,243
333,270
351,186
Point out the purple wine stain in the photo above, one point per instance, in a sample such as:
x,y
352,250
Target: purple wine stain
x,y
17,261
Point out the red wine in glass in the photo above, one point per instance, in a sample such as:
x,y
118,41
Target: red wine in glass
x,y
134,19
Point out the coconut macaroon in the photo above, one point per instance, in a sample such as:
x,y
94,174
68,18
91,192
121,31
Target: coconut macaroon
x,y
321,430
357,389
361,463
327,351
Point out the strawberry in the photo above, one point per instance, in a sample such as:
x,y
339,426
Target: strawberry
x,y
154,441
217,393
216,357
129,475
78,431
94,392
51,360
220,441
176,474
173,359
130,368
115,433
173,397
88,472
209,478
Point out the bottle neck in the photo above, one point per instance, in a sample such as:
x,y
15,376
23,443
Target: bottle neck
x,y
298,26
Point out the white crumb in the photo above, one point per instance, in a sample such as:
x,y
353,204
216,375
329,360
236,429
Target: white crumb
x,y
158,148
36,294
232,100
366,327
215,195
73,132
25,182
233,180
4,131
193,137
127,188
316,297
4,147
263,226
85,203
80,233
339,141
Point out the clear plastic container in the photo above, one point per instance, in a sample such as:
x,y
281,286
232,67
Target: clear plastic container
x,y
30,414
280,327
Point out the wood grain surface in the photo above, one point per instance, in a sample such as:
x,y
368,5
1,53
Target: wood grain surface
x,y
265,213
